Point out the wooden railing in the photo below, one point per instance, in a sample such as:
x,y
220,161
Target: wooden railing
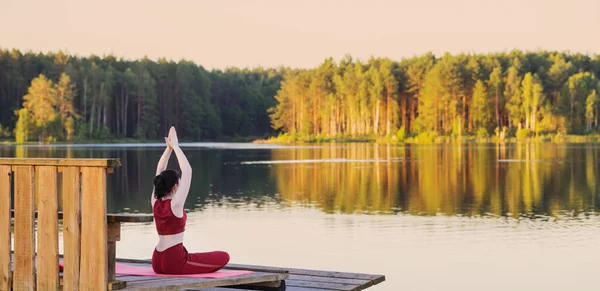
x,y
34,184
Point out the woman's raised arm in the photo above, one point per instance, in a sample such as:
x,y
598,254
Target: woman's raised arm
x,y
178,200
162,165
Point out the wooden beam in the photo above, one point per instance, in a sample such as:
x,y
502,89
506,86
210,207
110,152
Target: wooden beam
x,y
47,259
328,279
112,217
24,278
174,283
322,285
113,236
113,231
105,163
5,240
317,273
94,263
131,218
71,226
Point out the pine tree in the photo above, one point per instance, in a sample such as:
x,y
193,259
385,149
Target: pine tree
x,y
480,106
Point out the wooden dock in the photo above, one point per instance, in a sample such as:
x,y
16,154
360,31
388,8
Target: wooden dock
x,y
90,235
292,279
264,278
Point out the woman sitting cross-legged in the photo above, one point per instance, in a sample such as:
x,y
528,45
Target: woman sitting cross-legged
x,y
168,198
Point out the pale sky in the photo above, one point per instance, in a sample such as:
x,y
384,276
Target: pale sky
x,y
301,33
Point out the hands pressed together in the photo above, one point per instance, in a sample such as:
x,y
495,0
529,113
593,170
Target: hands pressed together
x,y
171,140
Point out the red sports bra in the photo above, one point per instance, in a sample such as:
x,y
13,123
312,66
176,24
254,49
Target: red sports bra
x,y
166,222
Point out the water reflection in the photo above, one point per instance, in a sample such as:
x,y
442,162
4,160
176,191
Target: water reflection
x,y
519,181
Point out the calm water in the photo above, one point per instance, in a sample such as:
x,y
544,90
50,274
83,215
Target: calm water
x,y
472,217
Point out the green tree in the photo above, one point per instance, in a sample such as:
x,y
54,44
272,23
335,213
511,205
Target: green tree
x,y
532,99
41,102
480,106
578,88
495,83
512,91
65,93
591,110
25,126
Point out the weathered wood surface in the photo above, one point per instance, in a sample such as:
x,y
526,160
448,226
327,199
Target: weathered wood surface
x,y
293,282
71,227
113,217
94,261
23,276
5,243
171,283
105,163
297,279
47,248
35,186
113,236
314,273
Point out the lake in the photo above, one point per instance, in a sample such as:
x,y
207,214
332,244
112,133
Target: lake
x,y
429,217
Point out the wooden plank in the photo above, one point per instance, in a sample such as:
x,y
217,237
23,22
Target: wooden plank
x,y
24,229
295,288
117,217
273,284
103,163
228,288
71,187
113,231
218,289
128,279
114,217
5,241
174,283
357,282
111,254
94,264
116,285
317,273
113,235
322,285
47,251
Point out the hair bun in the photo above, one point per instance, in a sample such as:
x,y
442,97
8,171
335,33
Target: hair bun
x,y
164,183
159,182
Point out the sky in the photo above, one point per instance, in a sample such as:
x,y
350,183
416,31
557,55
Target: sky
x,y
301,34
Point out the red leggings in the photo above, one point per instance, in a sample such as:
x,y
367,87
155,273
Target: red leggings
x,y
177,260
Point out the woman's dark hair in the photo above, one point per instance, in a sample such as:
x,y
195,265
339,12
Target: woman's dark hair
x,y
163,183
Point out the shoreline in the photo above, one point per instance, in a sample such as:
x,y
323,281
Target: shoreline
x,y
289,140
125,141
417,140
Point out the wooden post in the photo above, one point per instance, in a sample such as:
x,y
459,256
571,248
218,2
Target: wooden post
x,y
71,227
5,273
47,251
24,231
94,265
114,235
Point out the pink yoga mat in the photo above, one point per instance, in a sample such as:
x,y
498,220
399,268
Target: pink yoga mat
x,y
124,269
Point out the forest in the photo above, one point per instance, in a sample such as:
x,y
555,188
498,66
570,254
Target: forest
x,y
503,94
61,97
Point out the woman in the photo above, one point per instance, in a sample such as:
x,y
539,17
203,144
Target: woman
x,y
168,199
